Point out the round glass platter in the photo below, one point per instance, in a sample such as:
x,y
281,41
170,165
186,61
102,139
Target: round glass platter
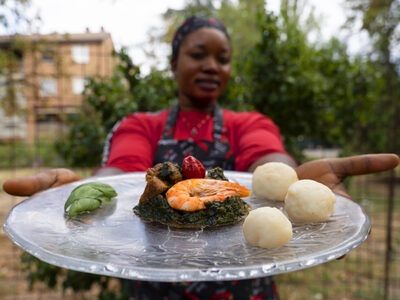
x,y
113,241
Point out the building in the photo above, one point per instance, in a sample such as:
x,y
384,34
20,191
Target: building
x,y
49,78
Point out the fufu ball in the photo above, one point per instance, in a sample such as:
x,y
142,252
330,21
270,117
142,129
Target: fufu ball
x,y
267,227
271,181
309,201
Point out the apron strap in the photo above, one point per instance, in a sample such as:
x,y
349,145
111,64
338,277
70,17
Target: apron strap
x,y
217,122
217,153
171,121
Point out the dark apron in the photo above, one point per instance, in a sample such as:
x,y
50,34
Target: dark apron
x,y
217,153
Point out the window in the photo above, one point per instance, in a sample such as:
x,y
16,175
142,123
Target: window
x,y
19,55
80,54
48,87
47,118
48,55
78,85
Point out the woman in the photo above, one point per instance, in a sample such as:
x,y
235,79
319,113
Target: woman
x,y
201,54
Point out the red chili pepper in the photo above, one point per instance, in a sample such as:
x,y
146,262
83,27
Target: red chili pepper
x,y
192,168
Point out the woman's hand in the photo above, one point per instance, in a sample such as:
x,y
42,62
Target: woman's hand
x,y
29,185
333,171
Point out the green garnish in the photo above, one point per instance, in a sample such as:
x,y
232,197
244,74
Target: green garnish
x,y
216,173
88,197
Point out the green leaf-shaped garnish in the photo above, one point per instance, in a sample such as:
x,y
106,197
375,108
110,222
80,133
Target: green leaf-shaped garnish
x,y
88,197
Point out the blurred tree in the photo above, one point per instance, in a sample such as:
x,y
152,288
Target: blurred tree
x,y
381,19
12,17
174,17
313,91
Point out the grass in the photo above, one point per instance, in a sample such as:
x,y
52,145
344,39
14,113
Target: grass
x,y
359,275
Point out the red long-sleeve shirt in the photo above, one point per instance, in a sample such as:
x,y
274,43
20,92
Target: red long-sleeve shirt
x,y
133,142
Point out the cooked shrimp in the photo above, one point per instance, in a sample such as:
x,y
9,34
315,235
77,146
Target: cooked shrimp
x,y
191,194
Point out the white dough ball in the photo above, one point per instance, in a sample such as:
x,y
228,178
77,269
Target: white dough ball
x,y
309,201
271,181
267,227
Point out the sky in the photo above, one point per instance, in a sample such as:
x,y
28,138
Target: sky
x,y
129,21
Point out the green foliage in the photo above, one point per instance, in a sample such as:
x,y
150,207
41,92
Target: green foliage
x,y
311,92
381,18
50,275
83,146
13,16
37,271
174,17
241,18
10,59
314,92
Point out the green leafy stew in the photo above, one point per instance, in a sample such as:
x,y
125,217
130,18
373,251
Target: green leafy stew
x,y
217,213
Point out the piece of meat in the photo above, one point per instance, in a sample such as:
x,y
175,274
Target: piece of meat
x,y
167,172
154,186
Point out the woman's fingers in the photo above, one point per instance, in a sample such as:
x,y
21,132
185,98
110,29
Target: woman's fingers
x,y
65,176
340,189
335,169
29,185
332,171
363,164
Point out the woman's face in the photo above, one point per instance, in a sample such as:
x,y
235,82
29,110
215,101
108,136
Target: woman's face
x,y
203,67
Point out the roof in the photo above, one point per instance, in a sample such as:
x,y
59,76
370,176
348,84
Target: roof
x,y
86,37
